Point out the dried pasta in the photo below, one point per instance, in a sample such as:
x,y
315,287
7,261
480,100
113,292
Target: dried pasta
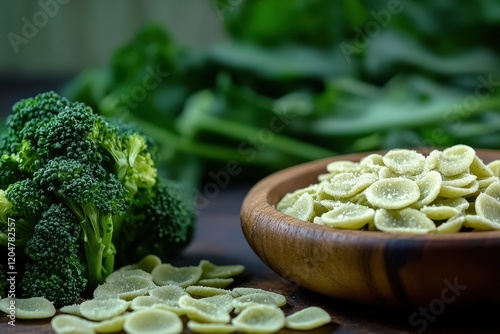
x,y
403,191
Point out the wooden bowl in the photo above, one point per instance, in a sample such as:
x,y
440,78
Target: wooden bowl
x,y
369,267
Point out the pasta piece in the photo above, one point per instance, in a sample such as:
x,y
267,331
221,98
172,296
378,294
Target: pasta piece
x,y
201,327
28,308
309,318
479,169
223,302
393,193
372,163
260,319
404,162
147,263
102,309
71,324
445,209
403,221
279,299
342,166
348,216
128,288
480,223
452,225
302,209
460,180
205,291
169,295
73,309
202,311
430,186
165,274
455,160
245,301
215,282
488,207
451,192
494,167
210,270
290,198
113,325
120,274
142,302
493,190
153,321
346,185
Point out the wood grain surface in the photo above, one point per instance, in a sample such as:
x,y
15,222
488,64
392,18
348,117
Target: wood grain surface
x,y
219,239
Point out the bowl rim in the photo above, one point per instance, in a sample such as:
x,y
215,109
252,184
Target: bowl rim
x,y
260,195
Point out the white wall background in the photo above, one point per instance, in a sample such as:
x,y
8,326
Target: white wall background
x,y
76,34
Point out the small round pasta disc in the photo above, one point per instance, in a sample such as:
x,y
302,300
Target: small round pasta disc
x,y
403,221
452,192
165,274
128,288
245,301
202,311
203,327
455,160
147,263
279,299
309,318
460,180
169,295
69,324
404,162
215,282
346,185
223,302
198,291
480,223
452,225
259,319
153,321
143,302
479,168
302,209
290,198
73,309
430,186
493,190
120,274
488,207
211,270
29,308
494,167
342,166
446,208
102,309
372,163
348,216
393,193
113,325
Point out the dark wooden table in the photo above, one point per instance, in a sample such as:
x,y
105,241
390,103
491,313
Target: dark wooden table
x,y
220,240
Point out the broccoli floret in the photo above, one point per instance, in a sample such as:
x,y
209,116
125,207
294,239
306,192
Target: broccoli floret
x,y
164,225
132,153
56,272
24,201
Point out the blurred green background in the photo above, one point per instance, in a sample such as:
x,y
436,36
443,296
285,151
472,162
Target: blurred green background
x,y
237,89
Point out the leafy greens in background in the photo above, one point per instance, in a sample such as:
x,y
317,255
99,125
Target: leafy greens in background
x,y
301,80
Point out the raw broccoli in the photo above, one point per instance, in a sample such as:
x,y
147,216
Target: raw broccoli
x,y
169,220
72,179
56,271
